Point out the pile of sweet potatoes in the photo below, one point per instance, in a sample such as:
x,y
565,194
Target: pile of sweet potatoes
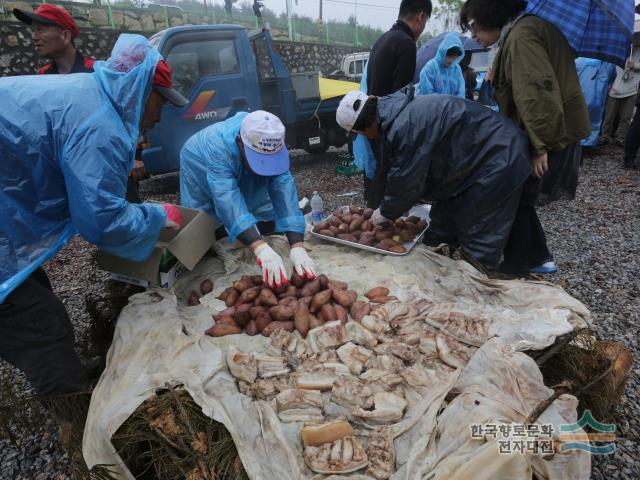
x,y
355,226
301,305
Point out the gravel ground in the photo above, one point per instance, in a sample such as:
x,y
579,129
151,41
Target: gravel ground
x,y
596,241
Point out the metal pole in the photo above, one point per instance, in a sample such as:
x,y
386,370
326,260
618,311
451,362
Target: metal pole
x,y
289,8
320,11
357,40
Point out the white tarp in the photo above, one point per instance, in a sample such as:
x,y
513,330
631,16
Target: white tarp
x,y
160,341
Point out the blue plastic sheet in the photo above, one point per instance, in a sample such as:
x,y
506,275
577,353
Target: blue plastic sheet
x,y
67,144
213,179
595,78
436,77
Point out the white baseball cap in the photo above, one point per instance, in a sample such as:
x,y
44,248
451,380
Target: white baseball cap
x,y
349,109
262,134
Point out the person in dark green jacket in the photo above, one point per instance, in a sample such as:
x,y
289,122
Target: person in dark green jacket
x,y
537,86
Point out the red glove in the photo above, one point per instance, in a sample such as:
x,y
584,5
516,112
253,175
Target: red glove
x,y
174,217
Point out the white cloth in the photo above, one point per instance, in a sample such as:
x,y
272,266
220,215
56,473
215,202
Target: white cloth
x,y
159,340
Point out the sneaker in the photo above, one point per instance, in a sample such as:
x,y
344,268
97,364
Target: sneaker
x,y
546,267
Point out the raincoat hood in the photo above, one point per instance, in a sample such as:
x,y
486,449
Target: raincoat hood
x,y
450,41
68,144
125,78
435,77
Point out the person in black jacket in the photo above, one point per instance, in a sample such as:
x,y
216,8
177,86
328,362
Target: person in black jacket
x,y
468,160
391,66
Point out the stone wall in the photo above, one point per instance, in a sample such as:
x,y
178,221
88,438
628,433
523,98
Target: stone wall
x,y
18,57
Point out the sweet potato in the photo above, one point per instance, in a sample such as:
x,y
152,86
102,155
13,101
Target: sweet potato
x,y
343,298
347,237
377,292
319,299
397,249
367,226
322,225
296,280
227,312
421,225
255,310
367,213
290,302
306,301
290,291
347,218
223,296
324,281
241,316
387,243
249,295
232,298
359,309
273,326
399,223
341,313
338,211
383,299
301,319
268,298
311,288
382,234
243,284
222,330
355,210
206,286
333,229
314,322
252,328
262,320
327,233
412,219
226,320
328,313
367,240
336,221
412,227
281,288
257,280
256,302
194,299
343,229
406,236
281,313
336,285
357,234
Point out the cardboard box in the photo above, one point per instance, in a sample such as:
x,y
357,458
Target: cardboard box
x,y
175,252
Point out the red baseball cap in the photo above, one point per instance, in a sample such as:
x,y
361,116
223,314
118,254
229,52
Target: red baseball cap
x,y
49,15
163,83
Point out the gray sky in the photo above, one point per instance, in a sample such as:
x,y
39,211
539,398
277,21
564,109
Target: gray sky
x,y
377,13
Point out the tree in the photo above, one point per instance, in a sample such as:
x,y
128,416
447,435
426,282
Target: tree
x,y
447,12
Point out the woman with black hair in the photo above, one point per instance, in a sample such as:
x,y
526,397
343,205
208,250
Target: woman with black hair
x,y
537,86
468,160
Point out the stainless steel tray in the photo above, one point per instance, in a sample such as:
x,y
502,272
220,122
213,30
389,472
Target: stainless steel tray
x,y
421,211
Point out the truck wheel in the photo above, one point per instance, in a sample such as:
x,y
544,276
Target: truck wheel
x,y
316,149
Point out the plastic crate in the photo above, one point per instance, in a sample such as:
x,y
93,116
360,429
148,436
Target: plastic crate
x,y
345,166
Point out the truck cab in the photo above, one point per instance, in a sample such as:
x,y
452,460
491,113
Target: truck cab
x,y
221,70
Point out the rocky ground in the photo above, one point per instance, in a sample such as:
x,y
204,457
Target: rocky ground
x,y
595,239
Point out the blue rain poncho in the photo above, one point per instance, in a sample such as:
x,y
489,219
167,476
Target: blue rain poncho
x,y
213,179
67,144
436,77
595,77
363,155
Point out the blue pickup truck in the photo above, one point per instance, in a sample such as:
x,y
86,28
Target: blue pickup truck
x,y
222,70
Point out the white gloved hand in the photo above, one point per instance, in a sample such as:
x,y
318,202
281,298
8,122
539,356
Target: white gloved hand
x,y
273,272
378,219
302,263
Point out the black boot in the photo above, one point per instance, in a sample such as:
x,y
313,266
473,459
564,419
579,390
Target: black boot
x,y
630,164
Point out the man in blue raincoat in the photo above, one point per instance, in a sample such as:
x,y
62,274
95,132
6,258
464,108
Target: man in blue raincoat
x,y
238,172
67,144
469,161
442,74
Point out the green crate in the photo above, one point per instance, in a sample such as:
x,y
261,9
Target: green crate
x,y
345,166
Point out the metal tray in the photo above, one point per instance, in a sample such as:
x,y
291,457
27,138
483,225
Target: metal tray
x,y
421,211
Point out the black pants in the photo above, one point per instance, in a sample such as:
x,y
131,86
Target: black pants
x,y
36,336
632,142
527,243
